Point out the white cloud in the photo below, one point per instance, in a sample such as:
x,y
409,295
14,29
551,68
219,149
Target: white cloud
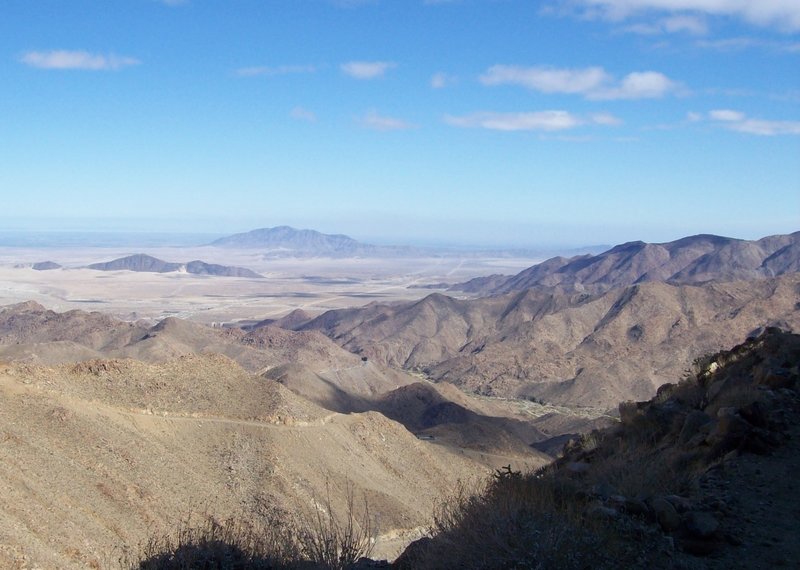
x,y
546,79
695,25
366,69
638,85
726,115
591,82
273,71
743,42
685,23
549,121
606,119
782,14
377,122
441,80
303,114
693,117
64,59
738,121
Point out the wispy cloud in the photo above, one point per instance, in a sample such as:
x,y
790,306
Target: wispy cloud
x,y
548,121
780,14
303,114
690,24
377,122
743,42
606,119
64,59
273,71
740,122
547,79
590,82
441,80
367,69
638,85
727,115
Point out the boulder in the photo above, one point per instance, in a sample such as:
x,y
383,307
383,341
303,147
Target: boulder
x,y
695,420
701,524
666,515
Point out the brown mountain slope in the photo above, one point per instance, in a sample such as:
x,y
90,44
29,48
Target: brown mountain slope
x,y
31,323
306,362
566,348
31,333
96,456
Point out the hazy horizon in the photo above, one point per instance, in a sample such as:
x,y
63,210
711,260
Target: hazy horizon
x,y
137,232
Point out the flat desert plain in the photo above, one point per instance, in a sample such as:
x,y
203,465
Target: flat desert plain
x,y
311,284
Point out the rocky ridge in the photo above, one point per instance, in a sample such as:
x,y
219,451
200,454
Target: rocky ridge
x,y
690,260
576,348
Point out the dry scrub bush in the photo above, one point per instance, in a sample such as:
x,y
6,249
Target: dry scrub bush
x,y
336,544
210,544
324,541
515,520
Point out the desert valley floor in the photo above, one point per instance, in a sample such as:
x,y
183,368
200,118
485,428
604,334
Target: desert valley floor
x,y
313,284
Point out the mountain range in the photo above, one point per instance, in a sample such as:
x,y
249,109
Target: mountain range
x,y
690,260
590,331
285,241
149,264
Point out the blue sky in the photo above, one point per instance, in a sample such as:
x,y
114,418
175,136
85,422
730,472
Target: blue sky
x,y
497,122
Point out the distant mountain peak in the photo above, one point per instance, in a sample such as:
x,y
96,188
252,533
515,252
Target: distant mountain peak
x,y
287,240
285,236
149,264
689,260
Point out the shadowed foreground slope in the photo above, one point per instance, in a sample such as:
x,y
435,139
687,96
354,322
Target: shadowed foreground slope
x,y
702,476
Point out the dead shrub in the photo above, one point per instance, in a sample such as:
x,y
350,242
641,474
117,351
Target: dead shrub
x,y
212,544
334,543
325,541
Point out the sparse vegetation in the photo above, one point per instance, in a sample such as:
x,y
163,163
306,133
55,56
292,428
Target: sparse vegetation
x,y
211,544
337,544
517,520
325,541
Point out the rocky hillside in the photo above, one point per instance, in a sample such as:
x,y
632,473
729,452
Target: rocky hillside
x,y
306,362
576,348
96,456
690,260
701,476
